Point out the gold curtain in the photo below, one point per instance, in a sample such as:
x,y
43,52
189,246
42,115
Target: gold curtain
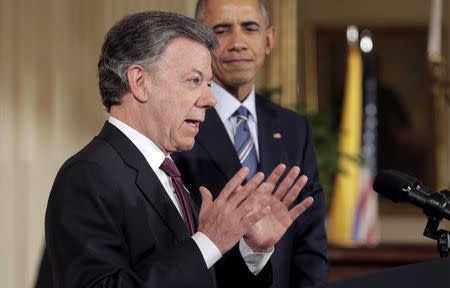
x,y
280,75
49,109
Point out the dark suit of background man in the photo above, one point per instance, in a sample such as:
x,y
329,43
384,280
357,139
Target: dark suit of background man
x,y
118,214
245,38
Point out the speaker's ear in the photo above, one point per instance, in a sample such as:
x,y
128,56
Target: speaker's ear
x,y
139,83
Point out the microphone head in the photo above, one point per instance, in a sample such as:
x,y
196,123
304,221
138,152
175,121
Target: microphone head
x,y
393,184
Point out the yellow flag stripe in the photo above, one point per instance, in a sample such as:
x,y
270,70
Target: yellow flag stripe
x,y
343,206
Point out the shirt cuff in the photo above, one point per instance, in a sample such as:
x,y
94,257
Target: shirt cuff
x,y
211,254
255,260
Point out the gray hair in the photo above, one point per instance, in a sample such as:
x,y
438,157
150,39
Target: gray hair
x,y
201,5
141,39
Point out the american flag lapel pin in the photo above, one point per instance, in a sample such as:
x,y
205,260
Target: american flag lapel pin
x,y
276,135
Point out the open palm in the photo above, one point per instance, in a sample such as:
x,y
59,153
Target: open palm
x,y
265,233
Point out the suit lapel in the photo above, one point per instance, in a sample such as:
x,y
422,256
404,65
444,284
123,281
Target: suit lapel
x,y
214,139
270,145
146,180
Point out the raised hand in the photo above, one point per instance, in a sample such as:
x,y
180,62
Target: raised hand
x,y
235,210
264,234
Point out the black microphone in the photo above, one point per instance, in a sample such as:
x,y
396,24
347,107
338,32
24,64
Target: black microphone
x,y
400,187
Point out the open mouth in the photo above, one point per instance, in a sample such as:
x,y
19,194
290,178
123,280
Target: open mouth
x,y
193,123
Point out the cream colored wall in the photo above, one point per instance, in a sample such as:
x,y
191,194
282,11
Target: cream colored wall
x,y
49,108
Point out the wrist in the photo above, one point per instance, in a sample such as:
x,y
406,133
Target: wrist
x,y
258,248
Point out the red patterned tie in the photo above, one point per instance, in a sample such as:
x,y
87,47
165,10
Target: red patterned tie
x,y
170,169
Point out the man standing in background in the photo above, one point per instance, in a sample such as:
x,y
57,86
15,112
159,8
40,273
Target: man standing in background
x,y
245,129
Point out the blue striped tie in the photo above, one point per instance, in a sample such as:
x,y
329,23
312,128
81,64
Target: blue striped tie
x,y
243,142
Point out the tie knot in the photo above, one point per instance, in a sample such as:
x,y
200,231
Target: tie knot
x,y
170,168
241,113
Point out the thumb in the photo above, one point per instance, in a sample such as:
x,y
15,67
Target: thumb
x,y
206,199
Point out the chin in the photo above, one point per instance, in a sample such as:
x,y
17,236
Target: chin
x,y
185,146
239,81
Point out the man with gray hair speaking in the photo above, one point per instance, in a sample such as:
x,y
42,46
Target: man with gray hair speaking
x,y
118,214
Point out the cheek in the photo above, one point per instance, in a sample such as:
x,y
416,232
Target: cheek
x,y
176,114
261,49
215,59
222,44
167,120
261,54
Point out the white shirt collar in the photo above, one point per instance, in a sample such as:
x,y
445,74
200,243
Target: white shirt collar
x,y
227,104
148,148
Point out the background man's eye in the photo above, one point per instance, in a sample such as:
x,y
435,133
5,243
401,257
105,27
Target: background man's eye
x,y
220,30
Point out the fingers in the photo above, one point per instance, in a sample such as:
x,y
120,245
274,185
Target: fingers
x,y
206,199
237,179
226,221
284,186
255,201
242,200
242,193
298,209
276,174
295,190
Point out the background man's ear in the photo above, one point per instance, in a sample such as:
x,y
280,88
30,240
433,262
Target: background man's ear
x,y
270,39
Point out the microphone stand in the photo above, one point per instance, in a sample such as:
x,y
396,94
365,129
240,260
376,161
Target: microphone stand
x,y
442,236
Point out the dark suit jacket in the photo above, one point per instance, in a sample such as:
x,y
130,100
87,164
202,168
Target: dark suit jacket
x,y
300,257
110,223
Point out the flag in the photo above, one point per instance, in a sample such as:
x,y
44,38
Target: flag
x,y
366,227
354,210
346,185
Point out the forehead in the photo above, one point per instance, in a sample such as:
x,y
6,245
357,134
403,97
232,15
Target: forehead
x,y
185,55
217,11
